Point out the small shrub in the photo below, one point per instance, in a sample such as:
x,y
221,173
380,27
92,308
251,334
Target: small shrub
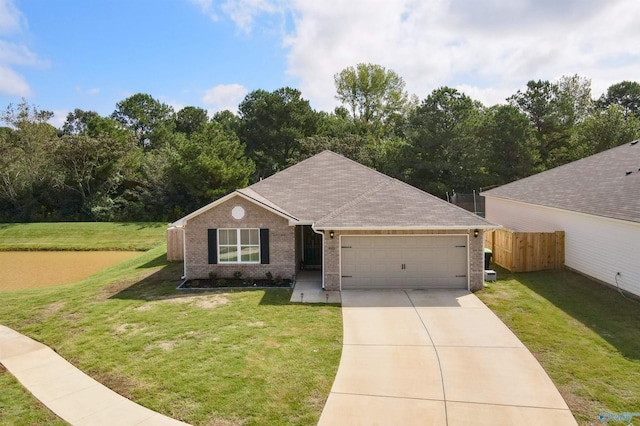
x,y
213,276
277,280
269,275
249,281
221,282
237,275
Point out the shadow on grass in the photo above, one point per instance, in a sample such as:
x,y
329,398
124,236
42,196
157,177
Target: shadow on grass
x,y
141,225
602,309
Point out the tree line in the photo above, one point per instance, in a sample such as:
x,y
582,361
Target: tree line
x,y
148,162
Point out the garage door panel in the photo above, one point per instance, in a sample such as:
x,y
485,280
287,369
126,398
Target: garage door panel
x,y
429,262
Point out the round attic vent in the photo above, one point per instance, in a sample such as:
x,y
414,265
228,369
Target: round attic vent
x,y
237,212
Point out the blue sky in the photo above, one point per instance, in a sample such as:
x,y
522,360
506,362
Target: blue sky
x,y
63,54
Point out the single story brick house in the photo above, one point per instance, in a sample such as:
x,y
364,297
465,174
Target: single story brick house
x,y
359,228
595,201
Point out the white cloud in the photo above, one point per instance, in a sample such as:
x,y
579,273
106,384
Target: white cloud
x,y
489,48
225,96
243,12
13,84
14,53
11,19
206,6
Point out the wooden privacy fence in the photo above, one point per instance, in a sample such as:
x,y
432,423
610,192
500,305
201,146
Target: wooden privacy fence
x,y
526,251
175,244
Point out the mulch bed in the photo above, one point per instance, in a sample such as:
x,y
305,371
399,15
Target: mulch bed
x,y
234,283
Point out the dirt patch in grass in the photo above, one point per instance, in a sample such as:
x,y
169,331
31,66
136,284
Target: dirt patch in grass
x,y
128,328
575,401
167,346
119,384
53,308
205,302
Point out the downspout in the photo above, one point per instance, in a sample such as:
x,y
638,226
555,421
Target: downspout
x,y
184,253
323,247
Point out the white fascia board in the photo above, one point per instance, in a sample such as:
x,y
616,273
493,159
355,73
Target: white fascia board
x,y
407,228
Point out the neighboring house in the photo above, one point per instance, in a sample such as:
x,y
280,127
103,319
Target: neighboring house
x,y
595,201
361,228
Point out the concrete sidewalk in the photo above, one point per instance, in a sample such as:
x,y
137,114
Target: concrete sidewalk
x,y
308,289
435,357
67,391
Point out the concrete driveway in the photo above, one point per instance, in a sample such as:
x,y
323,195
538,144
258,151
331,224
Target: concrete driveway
x,y
435,357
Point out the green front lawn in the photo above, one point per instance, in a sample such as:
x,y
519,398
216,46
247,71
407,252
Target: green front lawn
x,y
243,357
124,236
585,335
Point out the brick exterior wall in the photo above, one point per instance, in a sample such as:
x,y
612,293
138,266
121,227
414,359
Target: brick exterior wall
x,y
281,241
332,255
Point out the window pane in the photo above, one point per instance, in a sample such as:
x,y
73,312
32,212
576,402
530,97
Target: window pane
x,y
250,254
233,236
245,236
254,236
224,239
228,254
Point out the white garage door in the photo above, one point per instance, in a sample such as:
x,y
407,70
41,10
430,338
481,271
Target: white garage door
x,y
413,262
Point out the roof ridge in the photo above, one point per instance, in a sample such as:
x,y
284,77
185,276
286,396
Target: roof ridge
x,y
569,165
291,167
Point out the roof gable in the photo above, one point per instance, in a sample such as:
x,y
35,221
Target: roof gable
x,y
265,204
605,184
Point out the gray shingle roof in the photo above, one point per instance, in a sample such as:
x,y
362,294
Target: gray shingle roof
x,y
318,185
335,192
600,185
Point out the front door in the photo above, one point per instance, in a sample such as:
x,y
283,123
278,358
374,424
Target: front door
x,y
312,248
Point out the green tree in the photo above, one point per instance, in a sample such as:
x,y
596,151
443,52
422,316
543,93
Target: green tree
x,y
89,174
446,150
90,123
626,94
554,110
374,97
605,129
207,166
513,152
25,167
190,120
272,124
229,121
144,115
78,122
